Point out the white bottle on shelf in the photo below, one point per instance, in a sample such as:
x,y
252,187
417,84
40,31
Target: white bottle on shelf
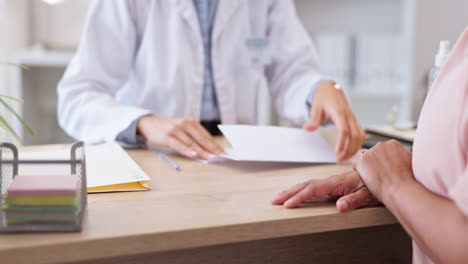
x,y
440,59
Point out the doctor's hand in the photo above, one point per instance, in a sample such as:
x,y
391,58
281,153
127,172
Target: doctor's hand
x,y
186,136
348,186
329,103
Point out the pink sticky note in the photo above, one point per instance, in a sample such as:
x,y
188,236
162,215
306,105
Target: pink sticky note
x,y
44,185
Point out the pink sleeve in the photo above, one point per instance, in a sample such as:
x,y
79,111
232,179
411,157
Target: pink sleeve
x,y
459,192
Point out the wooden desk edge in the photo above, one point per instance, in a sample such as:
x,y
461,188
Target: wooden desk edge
x,y
86,250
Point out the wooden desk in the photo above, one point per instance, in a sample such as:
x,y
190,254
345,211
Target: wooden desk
x,y
218,213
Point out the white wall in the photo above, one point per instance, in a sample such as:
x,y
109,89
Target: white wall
x,y
58,26
352,16
13,37
13,33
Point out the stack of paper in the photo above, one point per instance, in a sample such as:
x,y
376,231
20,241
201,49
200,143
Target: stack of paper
x,y
108,167
42,199
279,144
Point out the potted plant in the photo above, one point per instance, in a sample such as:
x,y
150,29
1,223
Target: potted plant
x,y
4,102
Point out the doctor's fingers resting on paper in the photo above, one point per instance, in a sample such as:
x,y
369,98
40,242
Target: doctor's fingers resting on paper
x,y
186,136
330,104
348,186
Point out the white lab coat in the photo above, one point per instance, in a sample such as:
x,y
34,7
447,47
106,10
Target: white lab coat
x,y
146,56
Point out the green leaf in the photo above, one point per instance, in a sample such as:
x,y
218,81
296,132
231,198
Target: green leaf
x,y
8,128
25,125
12,98
3,126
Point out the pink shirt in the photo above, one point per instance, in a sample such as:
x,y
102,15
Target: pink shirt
x,y
440,153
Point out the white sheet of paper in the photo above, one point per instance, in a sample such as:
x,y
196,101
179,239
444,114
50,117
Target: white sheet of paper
x,y
106,164
279,144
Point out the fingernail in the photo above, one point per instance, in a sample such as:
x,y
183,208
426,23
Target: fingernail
x,y
342,206
338,159
211,156
288,203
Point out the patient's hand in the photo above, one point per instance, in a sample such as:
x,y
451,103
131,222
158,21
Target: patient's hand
x,y
348,186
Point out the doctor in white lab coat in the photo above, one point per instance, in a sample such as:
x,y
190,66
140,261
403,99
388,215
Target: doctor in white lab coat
x,y
166,72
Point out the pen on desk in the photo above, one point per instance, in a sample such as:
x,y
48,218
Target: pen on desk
x,y
168,160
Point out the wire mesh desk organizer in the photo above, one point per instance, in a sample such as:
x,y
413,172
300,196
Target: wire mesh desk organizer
x,y
46,195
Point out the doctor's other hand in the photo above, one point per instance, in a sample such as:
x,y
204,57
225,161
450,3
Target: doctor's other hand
x,y
329,103
348,186
186,136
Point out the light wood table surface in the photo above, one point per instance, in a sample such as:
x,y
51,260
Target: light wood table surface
x,y
217,213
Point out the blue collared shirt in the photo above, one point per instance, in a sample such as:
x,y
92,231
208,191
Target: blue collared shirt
x,y
206,10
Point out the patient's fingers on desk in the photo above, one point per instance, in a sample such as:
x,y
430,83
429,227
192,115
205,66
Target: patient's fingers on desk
x,y
361,198
336,185
283,196
312,189
301,192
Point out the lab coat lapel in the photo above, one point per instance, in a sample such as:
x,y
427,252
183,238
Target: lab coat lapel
x,y
224,13
187,11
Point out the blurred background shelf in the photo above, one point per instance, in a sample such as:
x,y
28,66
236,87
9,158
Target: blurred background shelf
x,y
46,58
36,85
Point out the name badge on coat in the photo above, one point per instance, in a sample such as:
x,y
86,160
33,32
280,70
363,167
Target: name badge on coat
x,y
258,53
